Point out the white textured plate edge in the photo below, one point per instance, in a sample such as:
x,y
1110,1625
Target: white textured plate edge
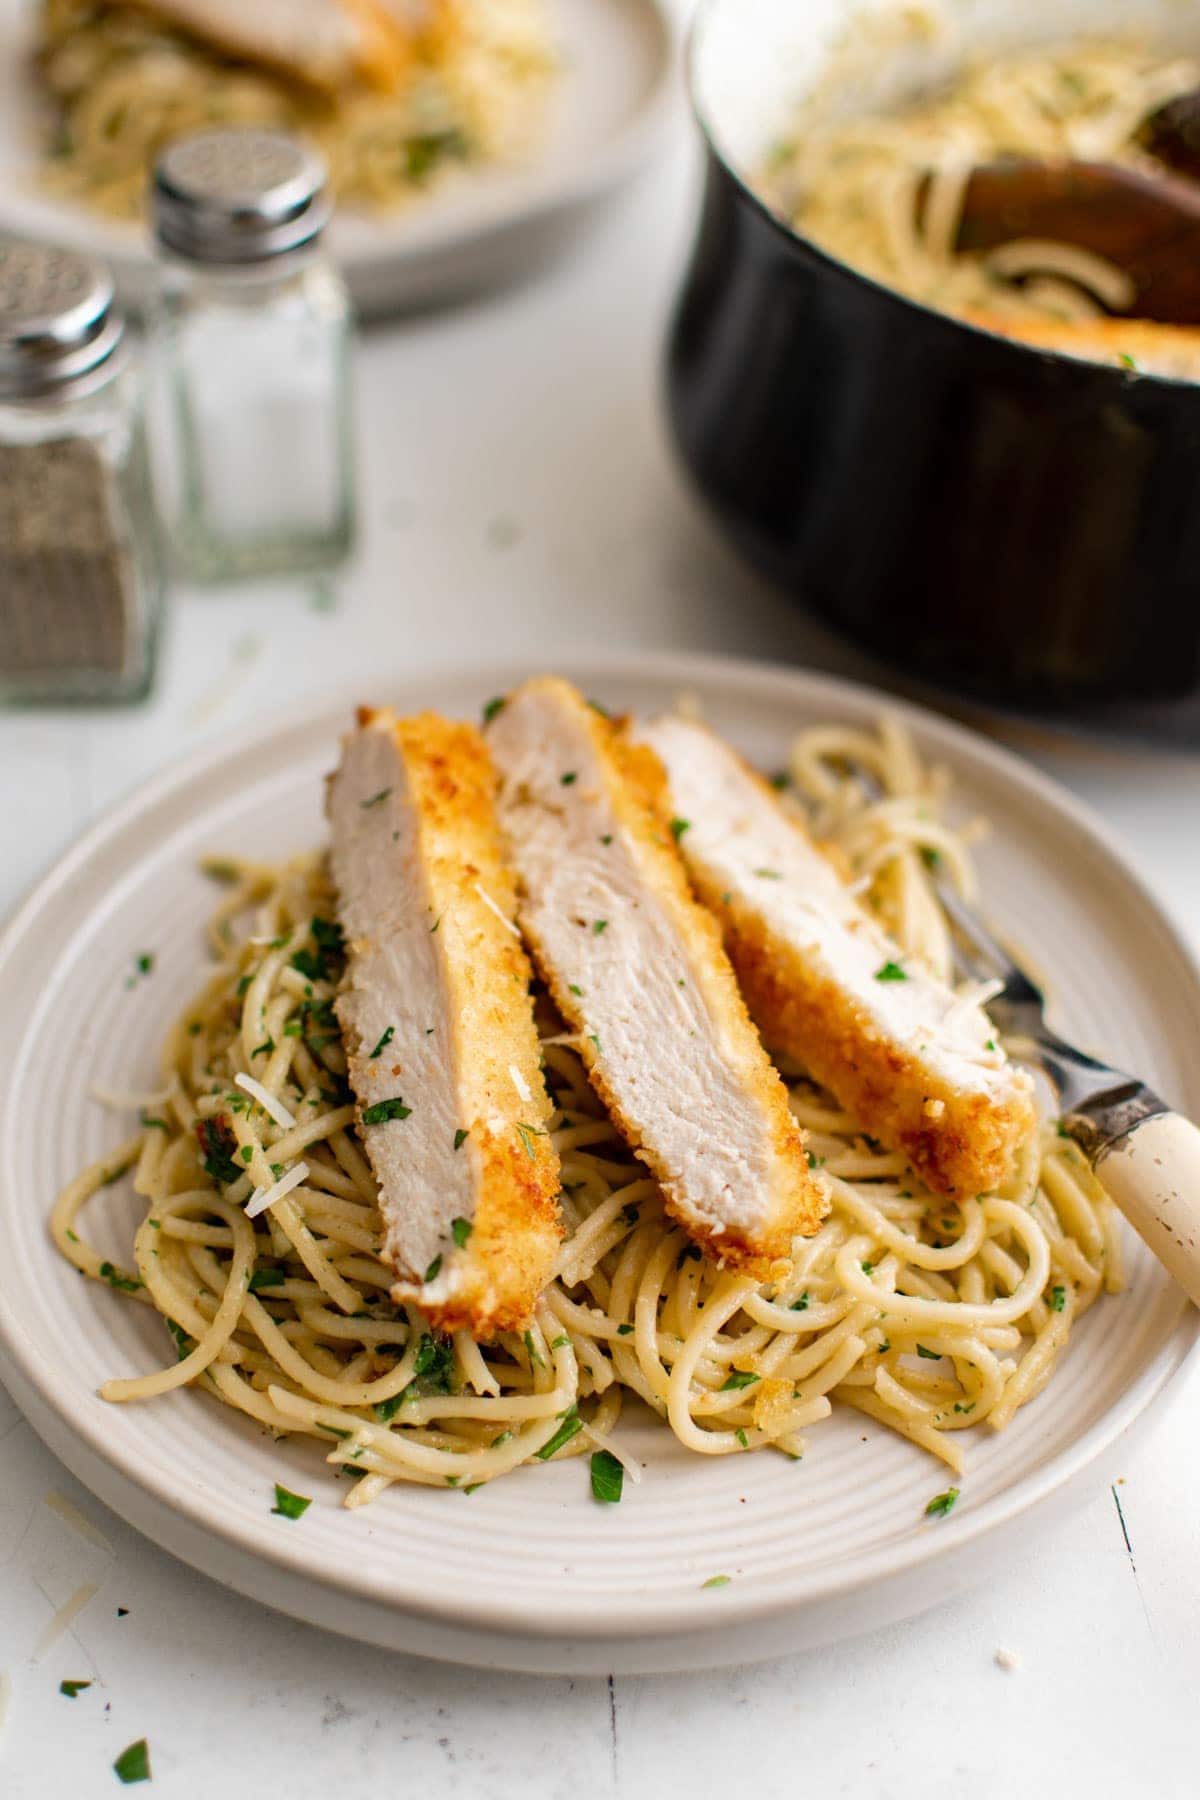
x,y
690,1632
448,245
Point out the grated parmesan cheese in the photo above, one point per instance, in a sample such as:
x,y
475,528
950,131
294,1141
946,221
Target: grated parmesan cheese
x,y
71,1515
262,1198
519,1082
277,1110
488,901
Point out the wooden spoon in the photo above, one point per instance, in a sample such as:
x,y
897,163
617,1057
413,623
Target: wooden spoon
x,y
1146,225
1172,134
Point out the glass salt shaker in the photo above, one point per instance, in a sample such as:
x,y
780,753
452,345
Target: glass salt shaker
x,y
81,565
250,341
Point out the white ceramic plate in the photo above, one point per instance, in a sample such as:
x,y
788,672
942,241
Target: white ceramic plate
x,y
616,93
530,1573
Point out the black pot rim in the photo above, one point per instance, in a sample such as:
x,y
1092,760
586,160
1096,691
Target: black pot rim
x,y
1073,366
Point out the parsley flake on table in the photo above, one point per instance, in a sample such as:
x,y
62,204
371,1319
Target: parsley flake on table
x,y
608,1477
941,1504
72,1689
289,1505
716,1581
133,1764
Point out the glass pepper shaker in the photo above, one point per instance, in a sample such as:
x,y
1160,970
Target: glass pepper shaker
x,y
81,566
250,340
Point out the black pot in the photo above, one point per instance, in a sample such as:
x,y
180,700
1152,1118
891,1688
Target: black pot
x,y
1004,521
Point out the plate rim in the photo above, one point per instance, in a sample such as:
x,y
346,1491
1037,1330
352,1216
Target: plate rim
x,y
686,1612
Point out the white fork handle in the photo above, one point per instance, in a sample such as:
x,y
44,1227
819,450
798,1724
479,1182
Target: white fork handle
x,y
1153,1174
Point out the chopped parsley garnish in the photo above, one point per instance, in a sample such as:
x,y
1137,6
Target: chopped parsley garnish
x,y
432,929
153,1124
769,874
310,966
599,925
383,1043
577,991
386,1109
678,827
527,1133
460,1231
263,1049
602,710
780,780
266,1278
73,1688
288,1505
566,1431
608,1477
434,1269
958,1405
800,1305
1058,1298
376,799
738,1378
460,1138
125,1284
941,1504
145,963
531,1349
558,1342
115,1174
386,1410
624,1330
717,1581
184,1345
1124,358
931,858
243,984
434,1363
247,1153
218,1143
594,1040
133,1764
570,778
492,708
933,1355
606,839
891,971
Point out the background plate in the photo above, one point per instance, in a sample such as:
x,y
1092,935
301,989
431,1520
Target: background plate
x,y
618,88
529,1573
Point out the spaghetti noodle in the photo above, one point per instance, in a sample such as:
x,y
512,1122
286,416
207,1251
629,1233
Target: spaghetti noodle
x,y
930,1317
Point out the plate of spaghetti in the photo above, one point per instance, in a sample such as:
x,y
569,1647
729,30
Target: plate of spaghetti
x,y
462,136
423,1215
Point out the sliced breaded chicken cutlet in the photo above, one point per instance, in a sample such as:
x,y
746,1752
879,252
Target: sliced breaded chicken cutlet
x,y
437,1018
637,970
917,1066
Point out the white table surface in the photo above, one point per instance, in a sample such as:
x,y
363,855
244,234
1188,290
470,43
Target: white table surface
x,y
520,497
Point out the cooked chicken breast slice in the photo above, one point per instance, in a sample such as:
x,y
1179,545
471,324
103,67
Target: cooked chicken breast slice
x,y
919,1068
438,1023
637,970
330,43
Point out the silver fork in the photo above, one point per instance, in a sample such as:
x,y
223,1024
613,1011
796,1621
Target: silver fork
x,y
1146,1155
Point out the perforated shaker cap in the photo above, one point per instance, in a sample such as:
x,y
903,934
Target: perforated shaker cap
x,y
57,318
238,196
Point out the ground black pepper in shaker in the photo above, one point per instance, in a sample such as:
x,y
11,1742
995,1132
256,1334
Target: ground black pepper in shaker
x,y
81,569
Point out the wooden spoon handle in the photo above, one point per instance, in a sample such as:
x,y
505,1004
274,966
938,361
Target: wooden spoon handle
x,y
1153,1174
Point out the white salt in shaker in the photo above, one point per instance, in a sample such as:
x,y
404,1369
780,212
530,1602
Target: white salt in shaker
x,y
250,346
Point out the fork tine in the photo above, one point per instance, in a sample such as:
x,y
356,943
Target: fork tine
x,y
978,955
982,957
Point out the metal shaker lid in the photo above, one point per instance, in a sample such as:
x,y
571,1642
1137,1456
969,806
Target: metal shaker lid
x,y
238,196
57,318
